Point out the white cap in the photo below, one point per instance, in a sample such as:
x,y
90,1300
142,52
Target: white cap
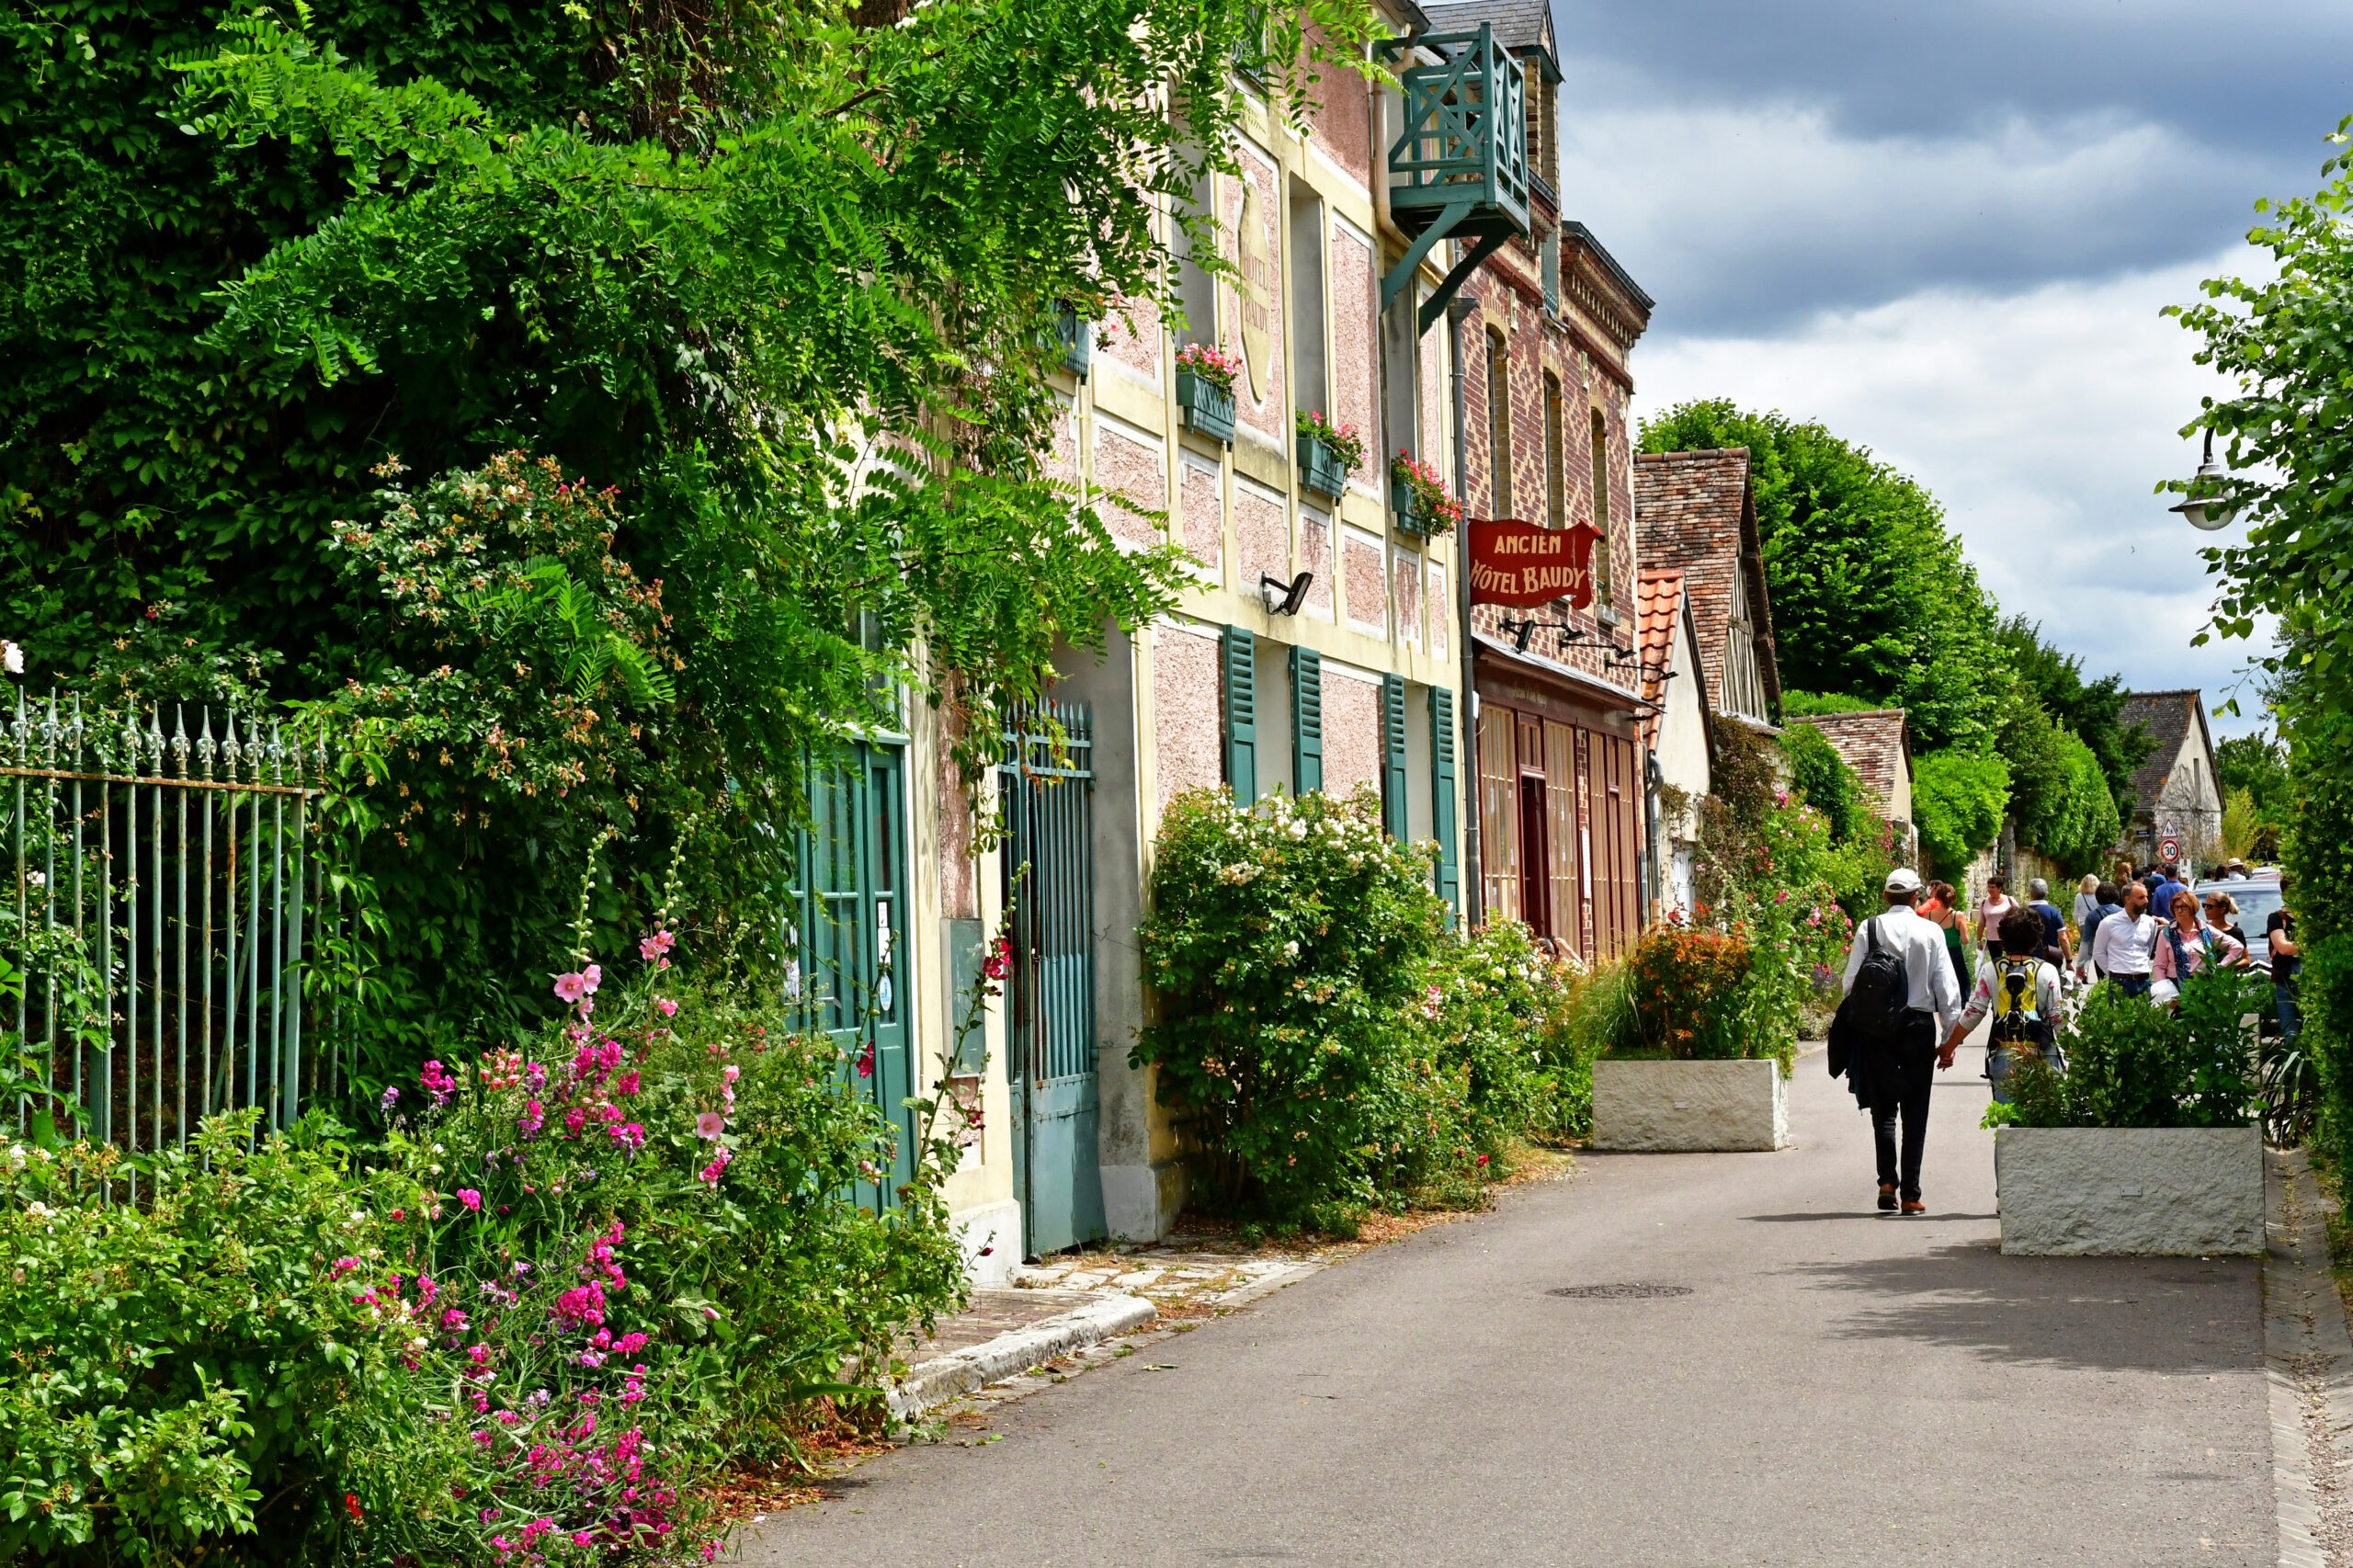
x,y
1904,878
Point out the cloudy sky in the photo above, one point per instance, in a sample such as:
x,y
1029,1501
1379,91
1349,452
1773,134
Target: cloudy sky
x,y
1945,231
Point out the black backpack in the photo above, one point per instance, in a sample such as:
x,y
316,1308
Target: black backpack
x,y
1877,1006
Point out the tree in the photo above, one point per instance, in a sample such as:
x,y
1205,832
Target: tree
x,y
1871,594
1957,801
779,281
2093,709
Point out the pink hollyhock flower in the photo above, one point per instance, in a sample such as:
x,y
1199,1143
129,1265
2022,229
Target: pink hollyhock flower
x,y
571,987
866,1061
654,947
717,1167
669,1008
710,1124
471,1198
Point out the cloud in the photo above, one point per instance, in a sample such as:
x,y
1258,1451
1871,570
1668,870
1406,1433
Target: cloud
x,y
2041,418
1751,216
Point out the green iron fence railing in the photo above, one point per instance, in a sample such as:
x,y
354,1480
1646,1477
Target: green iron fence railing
x,y
167,899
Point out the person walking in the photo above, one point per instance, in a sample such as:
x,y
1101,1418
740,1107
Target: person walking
x,y
2169,883
2109,899
1892,1072
2087,900
2021,991
2053,949
1990,910
2128,940
2287,960
2223,914
2189,944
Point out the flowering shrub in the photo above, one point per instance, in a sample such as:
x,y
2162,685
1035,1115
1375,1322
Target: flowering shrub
x,y
1210,364
1690,987
1343,441
1291,950
1501,1010
1439,511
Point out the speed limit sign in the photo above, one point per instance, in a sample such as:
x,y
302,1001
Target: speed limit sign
x,y
2169,850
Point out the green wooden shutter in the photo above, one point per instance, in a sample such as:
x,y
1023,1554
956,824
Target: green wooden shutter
x,y
1449,868
1306,720
1392,755
1241,713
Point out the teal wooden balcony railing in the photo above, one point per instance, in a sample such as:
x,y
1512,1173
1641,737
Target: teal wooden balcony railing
x,y
1459,166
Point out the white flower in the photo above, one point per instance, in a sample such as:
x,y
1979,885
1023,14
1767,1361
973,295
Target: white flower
x,y
36,879
1290,949
12,657
38,1210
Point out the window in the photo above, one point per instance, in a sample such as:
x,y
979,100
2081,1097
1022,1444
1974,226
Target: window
x,y
1400,389
1601,547
1310,376
1499,427
1556,503
1196,286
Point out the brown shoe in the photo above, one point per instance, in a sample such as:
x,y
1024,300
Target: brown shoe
x,y
1887,1199
1913,1207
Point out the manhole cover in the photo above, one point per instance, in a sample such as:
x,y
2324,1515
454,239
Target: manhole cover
x,y
1620,1292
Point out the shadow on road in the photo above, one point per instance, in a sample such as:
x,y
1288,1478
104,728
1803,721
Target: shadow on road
x,y
2119,1314
1872,1215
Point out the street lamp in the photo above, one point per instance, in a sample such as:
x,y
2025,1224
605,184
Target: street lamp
x,y
2202,508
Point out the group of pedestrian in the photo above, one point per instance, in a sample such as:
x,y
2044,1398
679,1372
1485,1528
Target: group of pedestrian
x,y
1903,1018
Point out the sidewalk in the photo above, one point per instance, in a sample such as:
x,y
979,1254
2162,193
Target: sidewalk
x,y
1672,1360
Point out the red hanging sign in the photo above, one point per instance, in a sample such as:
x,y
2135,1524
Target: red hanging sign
x,y
1521,565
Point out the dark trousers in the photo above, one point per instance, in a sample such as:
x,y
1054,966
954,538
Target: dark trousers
x,y
2132,985
1899,1090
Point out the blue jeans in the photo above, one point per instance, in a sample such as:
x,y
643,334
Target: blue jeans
x,y
2132,985
2283,1000
1998,1064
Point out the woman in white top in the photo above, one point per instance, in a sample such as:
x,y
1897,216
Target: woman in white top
x,y
2038,1006
2086,898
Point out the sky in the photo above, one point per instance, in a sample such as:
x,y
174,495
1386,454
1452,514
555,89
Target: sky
x,y
1945,231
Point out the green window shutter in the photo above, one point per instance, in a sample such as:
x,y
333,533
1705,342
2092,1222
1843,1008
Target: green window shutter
x,y
1392,755
1306,720
1449,868
1241,713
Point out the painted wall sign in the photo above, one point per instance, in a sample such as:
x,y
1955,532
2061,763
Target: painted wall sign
x,y
1521,565
1258,289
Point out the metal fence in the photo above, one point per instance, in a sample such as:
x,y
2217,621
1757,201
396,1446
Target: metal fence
x,y
166,903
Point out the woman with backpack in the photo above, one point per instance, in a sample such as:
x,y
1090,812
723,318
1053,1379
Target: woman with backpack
x,y
2020,990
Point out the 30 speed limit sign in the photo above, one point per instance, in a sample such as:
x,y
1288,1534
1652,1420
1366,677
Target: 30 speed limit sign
x,y
2169,850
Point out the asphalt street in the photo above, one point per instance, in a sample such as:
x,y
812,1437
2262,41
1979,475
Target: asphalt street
x,y
1827,1386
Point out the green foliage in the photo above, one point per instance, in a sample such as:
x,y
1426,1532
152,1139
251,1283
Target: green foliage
x,y
1290,949
2130,1063
1692,987
1871,594
189,1370
1816,704
1820,777
2059,795
1958,800
2093,709
2252,771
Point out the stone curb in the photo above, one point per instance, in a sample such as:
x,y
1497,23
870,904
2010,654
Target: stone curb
x,y
2308,1359
944,1378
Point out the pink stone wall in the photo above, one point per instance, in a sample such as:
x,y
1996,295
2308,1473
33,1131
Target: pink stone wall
x,y
1130,333
1342,117
1202,501
1356,371
1270,415
1062,460
1315,555
1361,590
1130,469
1188,713
1436,448
1351,733
1405,573
1262,539
1441,610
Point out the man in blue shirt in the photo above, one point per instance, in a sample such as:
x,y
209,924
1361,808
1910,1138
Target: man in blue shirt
x,y
2054,925
2161,896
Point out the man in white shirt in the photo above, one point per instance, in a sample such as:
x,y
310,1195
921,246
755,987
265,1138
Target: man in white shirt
x,y
2127,943
1894,1082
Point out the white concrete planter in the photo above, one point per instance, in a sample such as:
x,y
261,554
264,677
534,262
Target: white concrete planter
x,y
2170,1191
1689,1106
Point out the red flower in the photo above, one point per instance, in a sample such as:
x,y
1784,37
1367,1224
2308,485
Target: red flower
x,y
351,1506
866,1061
1000,959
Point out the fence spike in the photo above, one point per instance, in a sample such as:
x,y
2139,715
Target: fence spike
x,y
50,731
205,748
180,737
231,752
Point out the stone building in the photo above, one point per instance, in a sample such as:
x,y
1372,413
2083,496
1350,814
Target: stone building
x,y
1697,514
2176,796
1678,732
1562,831
1877,744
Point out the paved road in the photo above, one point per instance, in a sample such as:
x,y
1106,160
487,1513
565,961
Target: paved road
x,y
1837,1388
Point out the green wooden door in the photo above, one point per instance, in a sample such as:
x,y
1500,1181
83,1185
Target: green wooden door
x,y
848,932
1050,1017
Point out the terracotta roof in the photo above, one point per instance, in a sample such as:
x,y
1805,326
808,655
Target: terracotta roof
x,y
1694,512
1876,743
2167,716
1658,608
